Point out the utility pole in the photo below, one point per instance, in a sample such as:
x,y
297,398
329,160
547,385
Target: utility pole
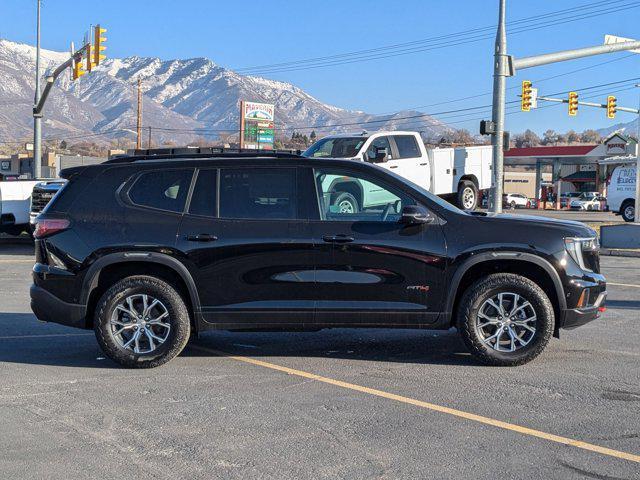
x,y
500,62
149,139
139,122
637,200
37,117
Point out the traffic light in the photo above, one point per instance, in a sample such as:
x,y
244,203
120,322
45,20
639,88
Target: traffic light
x,y
98,45
526,97
611,106
573,103
90,63
78,69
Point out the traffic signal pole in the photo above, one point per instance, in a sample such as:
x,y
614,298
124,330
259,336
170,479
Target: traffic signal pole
x,y
37,117
500,74
507,66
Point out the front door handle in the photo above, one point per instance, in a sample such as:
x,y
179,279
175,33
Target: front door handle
x,y
201,237
338,238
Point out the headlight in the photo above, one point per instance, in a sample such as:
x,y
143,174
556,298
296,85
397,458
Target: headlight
x,y
578,246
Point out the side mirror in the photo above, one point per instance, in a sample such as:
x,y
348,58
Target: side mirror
x,y
381,154
415,214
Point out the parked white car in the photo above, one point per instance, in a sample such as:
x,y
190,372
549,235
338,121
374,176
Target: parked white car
x,y
621,192
515,200
587,201
457,174
15,203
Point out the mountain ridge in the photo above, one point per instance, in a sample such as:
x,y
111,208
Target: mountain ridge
x,y
183,100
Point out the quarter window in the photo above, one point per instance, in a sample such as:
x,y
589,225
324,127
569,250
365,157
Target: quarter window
x,y
407,146
350,197
203,198
162,189
258,193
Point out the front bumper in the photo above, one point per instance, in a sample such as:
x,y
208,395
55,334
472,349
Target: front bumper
x,y
575,317
49,308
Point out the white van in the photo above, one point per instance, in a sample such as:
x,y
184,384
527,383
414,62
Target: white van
x,y
621,192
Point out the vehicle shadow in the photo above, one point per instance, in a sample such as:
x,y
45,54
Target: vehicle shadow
x,y
16,246
25,341
375,345
624,304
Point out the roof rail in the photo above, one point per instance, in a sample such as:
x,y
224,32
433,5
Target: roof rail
x,y
199,152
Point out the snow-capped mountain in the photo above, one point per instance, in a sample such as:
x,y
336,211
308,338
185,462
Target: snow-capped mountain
x,y
182,100
629,128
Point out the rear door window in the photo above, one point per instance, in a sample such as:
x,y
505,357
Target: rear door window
x,y
162,189
258,193
407,146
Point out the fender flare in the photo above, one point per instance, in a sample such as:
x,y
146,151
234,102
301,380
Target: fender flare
x,y
90,281
505,255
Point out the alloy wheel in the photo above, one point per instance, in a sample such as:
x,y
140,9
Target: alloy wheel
x,y
506,322
140,323
468,198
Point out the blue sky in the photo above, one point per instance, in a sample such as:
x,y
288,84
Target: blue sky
x,y
250,33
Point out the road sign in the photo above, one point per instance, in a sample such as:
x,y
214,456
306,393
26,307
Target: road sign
x,y
611,39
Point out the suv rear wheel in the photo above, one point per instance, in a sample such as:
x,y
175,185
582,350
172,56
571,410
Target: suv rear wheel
x,y
142,322
505,319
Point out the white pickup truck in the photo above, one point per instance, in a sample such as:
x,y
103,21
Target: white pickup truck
x,y
457,174
15,204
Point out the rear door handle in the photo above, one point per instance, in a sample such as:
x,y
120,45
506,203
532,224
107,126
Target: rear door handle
x,y
337,239
201,237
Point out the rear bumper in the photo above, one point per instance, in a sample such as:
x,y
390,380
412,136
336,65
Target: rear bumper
x,y
576,317
49,308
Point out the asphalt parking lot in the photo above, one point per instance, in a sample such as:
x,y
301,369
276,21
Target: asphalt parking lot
x,y
333,404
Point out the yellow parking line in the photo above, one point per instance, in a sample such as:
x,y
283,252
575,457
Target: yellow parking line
x,y
431,406
623,285
18,260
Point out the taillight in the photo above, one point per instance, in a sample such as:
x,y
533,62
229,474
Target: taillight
x,y
49,226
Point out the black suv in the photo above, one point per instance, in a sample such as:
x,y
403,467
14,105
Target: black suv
x,y
150,250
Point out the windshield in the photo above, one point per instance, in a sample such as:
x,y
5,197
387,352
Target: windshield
x,y
586,196
336,147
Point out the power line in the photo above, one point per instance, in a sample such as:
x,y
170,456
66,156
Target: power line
x,y
308,64
425,40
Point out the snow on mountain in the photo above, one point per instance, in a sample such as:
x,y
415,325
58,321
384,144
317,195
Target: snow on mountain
x,y
183,99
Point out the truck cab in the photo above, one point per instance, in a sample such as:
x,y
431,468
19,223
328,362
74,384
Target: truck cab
x,y
457,174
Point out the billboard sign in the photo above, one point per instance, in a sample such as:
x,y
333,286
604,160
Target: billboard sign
x,y
257,125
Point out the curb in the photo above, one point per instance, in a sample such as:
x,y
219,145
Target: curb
x,y
614,252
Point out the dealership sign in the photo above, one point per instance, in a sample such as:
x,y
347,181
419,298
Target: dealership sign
x,y
616,145
257,125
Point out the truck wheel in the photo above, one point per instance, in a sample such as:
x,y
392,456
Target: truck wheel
x,y
142,322
467,195
344,202
505,319
628,211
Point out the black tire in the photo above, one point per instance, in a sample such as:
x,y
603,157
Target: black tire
x,y
627,210
346,203
488,287
513,205
467,188
178,319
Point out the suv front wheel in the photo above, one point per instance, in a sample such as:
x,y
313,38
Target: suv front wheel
x,y
142,322
505,319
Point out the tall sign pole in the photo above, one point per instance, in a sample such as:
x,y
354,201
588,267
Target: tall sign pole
x,y
37,117
500,62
